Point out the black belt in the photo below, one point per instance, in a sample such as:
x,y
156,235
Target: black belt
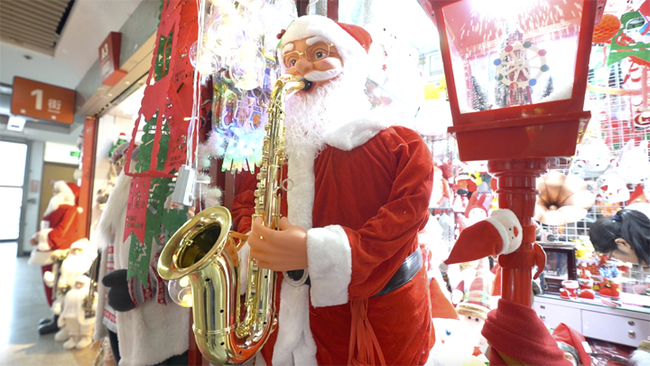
x,y
409,268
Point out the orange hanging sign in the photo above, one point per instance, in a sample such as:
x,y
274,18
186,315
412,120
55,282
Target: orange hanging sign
x,y
42,101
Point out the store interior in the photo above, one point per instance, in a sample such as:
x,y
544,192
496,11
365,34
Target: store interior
x,y
605,299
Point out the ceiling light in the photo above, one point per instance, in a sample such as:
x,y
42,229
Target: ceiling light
x,y
16,123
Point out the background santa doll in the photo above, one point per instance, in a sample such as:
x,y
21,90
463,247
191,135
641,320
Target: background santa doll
x,y
59,229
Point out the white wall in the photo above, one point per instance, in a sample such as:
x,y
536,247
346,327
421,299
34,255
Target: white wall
x,y
108,131
31,205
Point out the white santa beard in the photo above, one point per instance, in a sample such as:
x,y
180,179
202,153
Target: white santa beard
x,y
56,201
311,115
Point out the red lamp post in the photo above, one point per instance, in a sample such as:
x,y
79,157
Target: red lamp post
x,y
516,75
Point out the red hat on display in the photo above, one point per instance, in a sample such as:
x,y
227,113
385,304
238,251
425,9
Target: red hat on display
x,y
351,41
441,307
501,233
477,300
69,190
515,331
568,335
75,191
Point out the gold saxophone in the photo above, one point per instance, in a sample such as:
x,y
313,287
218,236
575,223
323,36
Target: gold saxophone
x,y
205,251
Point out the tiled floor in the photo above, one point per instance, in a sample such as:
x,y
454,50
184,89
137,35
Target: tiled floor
x,y
22,305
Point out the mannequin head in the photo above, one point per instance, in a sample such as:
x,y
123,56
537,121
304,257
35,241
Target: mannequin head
x,y
625,236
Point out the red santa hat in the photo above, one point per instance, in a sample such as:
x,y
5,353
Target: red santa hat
x,y
515,331
441,307
501,233
568,335
351,41
70,191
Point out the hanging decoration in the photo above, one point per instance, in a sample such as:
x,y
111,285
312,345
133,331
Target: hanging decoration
x,y
632,40
608,27
237,50
166,104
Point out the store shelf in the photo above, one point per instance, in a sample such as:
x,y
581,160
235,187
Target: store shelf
x,y
627,325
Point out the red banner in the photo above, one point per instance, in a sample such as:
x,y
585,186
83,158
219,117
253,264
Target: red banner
x,y
136,209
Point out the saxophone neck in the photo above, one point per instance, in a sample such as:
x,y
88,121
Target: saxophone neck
x,y
287,82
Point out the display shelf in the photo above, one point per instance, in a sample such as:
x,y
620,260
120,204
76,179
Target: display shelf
x,y
628,324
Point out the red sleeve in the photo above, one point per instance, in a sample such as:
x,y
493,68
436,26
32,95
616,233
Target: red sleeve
x,y
383,242
62,230
243,205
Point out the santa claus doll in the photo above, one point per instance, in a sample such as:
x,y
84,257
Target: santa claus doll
x,y
359,196
59,229
78,314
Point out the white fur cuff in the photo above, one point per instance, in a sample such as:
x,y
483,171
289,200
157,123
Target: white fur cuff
x,y
330,265
43,242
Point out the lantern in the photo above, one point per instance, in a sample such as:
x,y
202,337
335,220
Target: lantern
x,y
516,73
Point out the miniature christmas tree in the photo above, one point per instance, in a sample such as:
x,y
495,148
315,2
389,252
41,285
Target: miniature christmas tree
x,y
478,99
548,89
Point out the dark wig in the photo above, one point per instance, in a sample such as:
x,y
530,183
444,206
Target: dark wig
x,y
631,225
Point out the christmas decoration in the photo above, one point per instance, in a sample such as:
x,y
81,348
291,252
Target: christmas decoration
x,y
608,27
477,98
162,117
631,40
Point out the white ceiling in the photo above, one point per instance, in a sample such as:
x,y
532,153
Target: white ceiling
x,y
88,24
90,21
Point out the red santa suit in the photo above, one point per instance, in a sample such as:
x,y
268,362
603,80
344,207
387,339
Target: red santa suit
x,y
369,203
59,226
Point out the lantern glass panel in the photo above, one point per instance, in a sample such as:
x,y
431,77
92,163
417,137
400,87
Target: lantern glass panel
x,y
507,53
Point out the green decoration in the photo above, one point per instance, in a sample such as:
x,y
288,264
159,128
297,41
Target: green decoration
x,y
624,43
161,224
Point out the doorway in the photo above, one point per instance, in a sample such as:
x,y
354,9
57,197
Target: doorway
x,y
11,189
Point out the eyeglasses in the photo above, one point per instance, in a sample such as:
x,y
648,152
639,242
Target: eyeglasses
x,y
313,53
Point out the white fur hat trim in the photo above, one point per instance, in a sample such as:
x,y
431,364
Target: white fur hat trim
x,y
507,223
309,26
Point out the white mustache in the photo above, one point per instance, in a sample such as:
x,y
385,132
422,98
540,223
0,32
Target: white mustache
x,y
323,75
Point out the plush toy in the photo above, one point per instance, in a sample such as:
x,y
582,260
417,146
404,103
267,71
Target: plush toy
x,y
474,308
59,229
632,162
592,158
78,261
641,356
454,343
78,315
573,344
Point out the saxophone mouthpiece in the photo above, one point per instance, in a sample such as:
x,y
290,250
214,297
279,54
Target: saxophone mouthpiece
x,y
307,83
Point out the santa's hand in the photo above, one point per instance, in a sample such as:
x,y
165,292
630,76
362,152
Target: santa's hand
x,y
34,240
118,290
278,250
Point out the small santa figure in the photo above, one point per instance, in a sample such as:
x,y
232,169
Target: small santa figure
x,y
474,309
78,314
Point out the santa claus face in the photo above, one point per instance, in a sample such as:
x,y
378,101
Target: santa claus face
x,y
314,59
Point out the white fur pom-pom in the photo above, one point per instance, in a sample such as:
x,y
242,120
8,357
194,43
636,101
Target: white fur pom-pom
x,y
211,197
214,147
640,358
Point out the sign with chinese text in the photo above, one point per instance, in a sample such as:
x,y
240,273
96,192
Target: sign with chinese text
x,y
109,60
42,101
